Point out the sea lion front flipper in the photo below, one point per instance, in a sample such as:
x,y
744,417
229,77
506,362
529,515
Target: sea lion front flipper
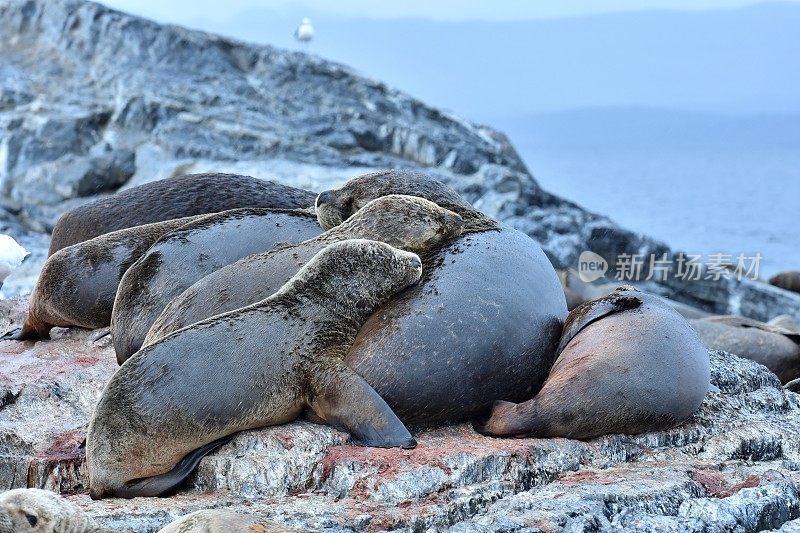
x,y
347,402
167,483
622,299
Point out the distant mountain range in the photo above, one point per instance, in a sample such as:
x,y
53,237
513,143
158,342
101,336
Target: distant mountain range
x,y
744,60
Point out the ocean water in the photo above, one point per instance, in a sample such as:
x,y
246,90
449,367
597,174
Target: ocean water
x,y
701,185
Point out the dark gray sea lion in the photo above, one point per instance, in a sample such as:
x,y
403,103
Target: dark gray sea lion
x,y
178,197
225,521
627,363
483,325
188,393
182,257
78,284
776,348
405,222
789,280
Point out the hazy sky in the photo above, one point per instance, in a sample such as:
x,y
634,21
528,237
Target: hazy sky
x,y
189,10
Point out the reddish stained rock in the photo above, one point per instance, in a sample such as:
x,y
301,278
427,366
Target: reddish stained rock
x,y
719,485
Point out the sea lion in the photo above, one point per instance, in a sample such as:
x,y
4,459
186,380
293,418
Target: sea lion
x,y
627,363
406,222
482,325
188,393
789,280
225,521
78,284
579,292
787,322
182,257
37,510
776,348
177,197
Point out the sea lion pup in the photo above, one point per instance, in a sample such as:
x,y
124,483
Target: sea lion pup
x,y
225,521
406,222
36,510
776,348
482,325
187,394
183,256
177,197
789,281
627,363
78,284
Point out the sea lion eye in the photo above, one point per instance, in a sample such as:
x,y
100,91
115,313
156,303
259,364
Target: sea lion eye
x,y
32,519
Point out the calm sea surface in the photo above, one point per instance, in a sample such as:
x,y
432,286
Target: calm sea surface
x,y
700,195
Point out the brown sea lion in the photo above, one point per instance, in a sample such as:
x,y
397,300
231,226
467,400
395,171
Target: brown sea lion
x,y
225,521
627,363
183,396
178,197
36,510
776,348
405,222
182,257
483,325
789,280
78,284
579,292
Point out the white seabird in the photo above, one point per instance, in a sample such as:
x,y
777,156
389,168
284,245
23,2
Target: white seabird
x,y
11,256
305,31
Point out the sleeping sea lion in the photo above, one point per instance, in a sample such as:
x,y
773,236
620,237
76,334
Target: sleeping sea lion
x,y
405,222
627,363
776,348
78,284
178,197
182,257
187,394
482,325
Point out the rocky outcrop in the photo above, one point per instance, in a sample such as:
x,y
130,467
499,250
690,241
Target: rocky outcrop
x,y
734,465
92,100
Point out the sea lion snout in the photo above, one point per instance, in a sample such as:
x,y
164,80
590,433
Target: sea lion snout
x,y
328,213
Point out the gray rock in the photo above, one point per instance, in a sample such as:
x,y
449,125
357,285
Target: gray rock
x,y
733,466
120,101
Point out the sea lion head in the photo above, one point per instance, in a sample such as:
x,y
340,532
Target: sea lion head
x,y
357,276
37,510
334,206
405,222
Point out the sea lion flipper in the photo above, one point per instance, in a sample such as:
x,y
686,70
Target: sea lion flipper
x,y
346,401
27,333
166,483
13,335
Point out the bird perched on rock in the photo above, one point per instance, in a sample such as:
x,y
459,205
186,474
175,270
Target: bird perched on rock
x,y
304,32
11,256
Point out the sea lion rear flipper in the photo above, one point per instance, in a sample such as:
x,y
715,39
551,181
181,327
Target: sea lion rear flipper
x,y
26,333
165,484
347,402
